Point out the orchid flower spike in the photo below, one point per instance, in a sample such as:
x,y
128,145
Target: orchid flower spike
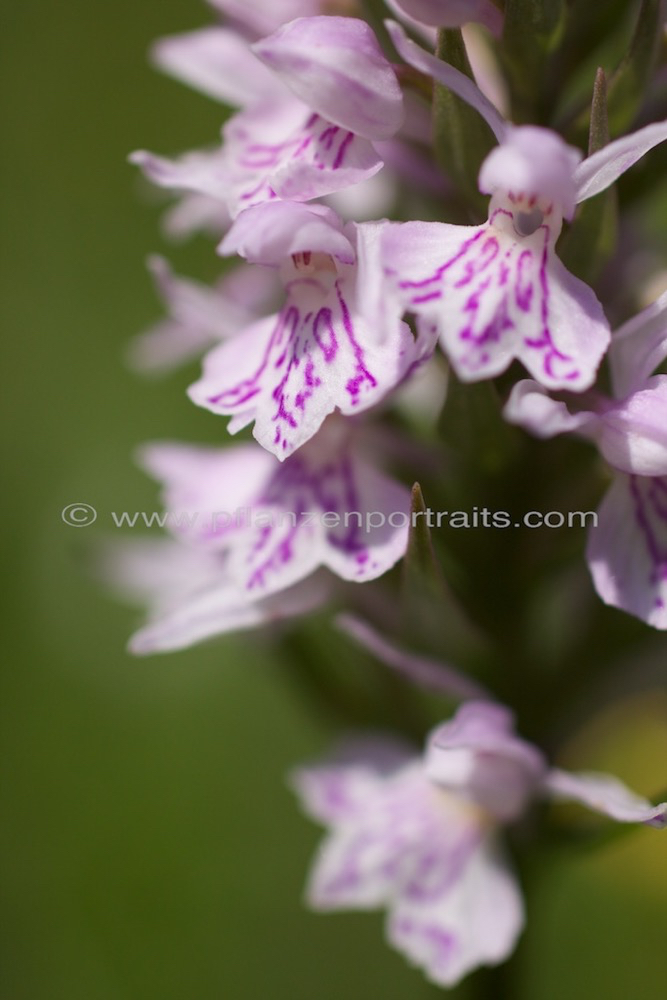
x,y
246,531
420,835
323,351
497,292
627,549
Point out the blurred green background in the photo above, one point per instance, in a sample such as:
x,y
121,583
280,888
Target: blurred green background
x,y
151,850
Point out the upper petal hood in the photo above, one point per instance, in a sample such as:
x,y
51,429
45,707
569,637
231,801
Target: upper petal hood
x,y
272,232
335,65
480,756
536,162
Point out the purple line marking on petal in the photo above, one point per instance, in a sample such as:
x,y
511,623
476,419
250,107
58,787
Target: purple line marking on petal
x,y
473,268
312,382
290,373
439,868
509,291
354,385
523,288
318,143
275,153
329,346
249,195
350,542
297,486
328,135
552,355
247,388
428,297
342,150
654,502
437,275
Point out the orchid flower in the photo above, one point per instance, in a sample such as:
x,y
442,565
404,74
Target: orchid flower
x,y
627,550
319,94
200,316
247,530
419,835
323,351
497,292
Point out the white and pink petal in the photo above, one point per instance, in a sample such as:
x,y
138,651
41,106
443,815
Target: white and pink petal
x,y
337,791
477,921
290,371
400,841
627,549
291,153
478,756
200,316
219,609
336,66
449,13
202,172
638,347
598,172
494,296
322,507
204,488
194,213
536,162
605,794
275,231
263,16
219,63
189,594
632,433
530,406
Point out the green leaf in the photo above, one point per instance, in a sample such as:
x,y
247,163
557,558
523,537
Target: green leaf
x,y
420,558
424,590
462,139
591,240
432,614
532,31
472,424
598,133
631,80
